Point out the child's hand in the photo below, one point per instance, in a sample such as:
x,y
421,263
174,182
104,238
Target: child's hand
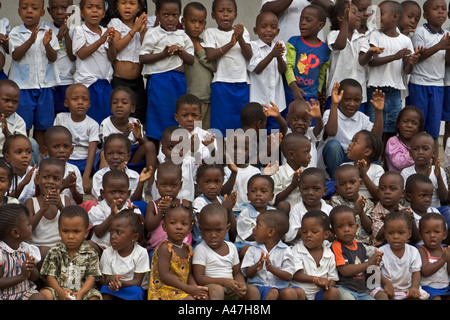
x,y
375,259
430,167
314,109
242,289
322,282
296,178
173,49
164,203
389,289
27,266
140,22
229,201
34,34
361,165
402,53
437,168
146,174
114,208
359,205
336,97
195,142
47,37
271,169
231,165
70,181
298,93
239,30
87,184
261,261
376,50
446,254
209,138
122,166
115,283
413,58
378,100
444,43
135,127
413,293
272,110
278,50
53,198
69,295
199,292
3,38
5,129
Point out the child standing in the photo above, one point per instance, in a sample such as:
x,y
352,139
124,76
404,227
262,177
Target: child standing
x,y
267,65
215,262
312,187
71,267
130,24
229,45
5,29
66,59
164,51
269,263
125,265
397,153
352,260
18,259
199,75
171,269
95,51
84,131
33,48
401,263
410,17
316,274
435,257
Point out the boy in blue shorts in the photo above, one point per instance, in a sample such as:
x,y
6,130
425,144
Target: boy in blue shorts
x,y
33,49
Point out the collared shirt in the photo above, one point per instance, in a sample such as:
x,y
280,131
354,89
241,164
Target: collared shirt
x,y
97,181
281,257
378,213
155,41
15,125
266,86
131,51
246,221
282,179
34,70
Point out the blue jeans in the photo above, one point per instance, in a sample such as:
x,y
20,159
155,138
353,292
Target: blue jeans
x,y
333,156
392,106
347,294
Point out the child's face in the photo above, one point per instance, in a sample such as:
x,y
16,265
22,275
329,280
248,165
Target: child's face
x,y
93,11
436,13
50,178
261,230
210,183
310,25
313,233
194,22
72,231
433,232
177,224
388,18
225,13
348,184
168,184
241,151
5,183
9,100
168,16
167,145
122,236
24,228
259,193
57,9
31,11
186,116
362,8
116,153
121,105
214,228
345,227
115,190
355,17
420,197
397,233
19,155
267,28
390,191
297,118
302,155
351,101
60,146
408,124
422,150
128,9
410,18
312,189
78,100
357,149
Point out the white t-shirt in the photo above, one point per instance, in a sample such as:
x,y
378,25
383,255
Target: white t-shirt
x,y
68,169
242,177
232,66
374,173
15,124
29,189
97,181
82,132
107,128
389,74
282,179
131,51
216,266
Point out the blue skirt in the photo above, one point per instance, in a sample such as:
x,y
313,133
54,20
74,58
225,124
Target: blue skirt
x,y
126,293
227,101
100,92
163,91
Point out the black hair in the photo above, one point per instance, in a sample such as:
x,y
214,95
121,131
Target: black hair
x,y
262,13
186,205
424,134
215,2
374,143
252,112
394,6
313,171
131,93
189,99
397,175
349,82
321,216
337,210
54,130
160,3
194,4
115,12
408,3
432,216
335,11
401,214
321,13
118,136
414,109
83,3
114,174
262,176
9,83
10,216
205,166
414,179
169,166
213,209
292,141
136,222
276,219
346,167
73,211
51,161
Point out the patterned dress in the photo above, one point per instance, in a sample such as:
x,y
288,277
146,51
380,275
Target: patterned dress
x,y
179,268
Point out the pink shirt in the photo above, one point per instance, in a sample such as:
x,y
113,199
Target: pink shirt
x,y
397,155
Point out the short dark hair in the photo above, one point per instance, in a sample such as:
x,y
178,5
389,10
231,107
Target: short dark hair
x,y
349,83
414,179
262,176
346,167
313,171
321,216
337,210
131,93
118,136
321,13
73,211
251,112
189,99
432,216
54,130
276,219
212,209
114,174
292,141
160,3
194,4
52,161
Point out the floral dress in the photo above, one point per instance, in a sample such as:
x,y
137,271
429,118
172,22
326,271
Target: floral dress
x,y
179,268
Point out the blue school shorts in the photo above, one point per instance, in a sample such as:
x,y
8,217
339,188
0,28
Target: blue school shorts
x,y
100,92
59,96
392,106
429,99
36,108
446,105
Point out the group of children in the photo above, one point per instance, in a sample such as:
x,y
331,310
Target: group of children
x,y
358,194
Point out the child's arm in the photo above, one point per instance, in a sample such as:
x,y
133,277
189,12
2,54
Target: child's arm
x,y
51,53
370,185
70,182
349,270
115,281
279,273
64,33
28,271
358,209
213,54
122,43
315,112
379,61
341,40
153,220
442,188
331,127
87,51
443,44
273,111
246,48
22,50
365,57
252,270
276,53
325,283
229,185
104,227
145,175
52,282
198,271
378,104
281,196
89,283
428,268
92,150
228,203
414,291
291,55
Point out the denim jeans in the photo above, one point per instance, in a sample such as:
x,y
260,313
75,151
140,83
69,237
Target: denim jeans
x,y
392,106
347,294
333,156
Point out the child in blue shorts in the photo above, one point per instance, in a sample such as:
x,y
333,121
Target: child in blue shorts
x,y
33,48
